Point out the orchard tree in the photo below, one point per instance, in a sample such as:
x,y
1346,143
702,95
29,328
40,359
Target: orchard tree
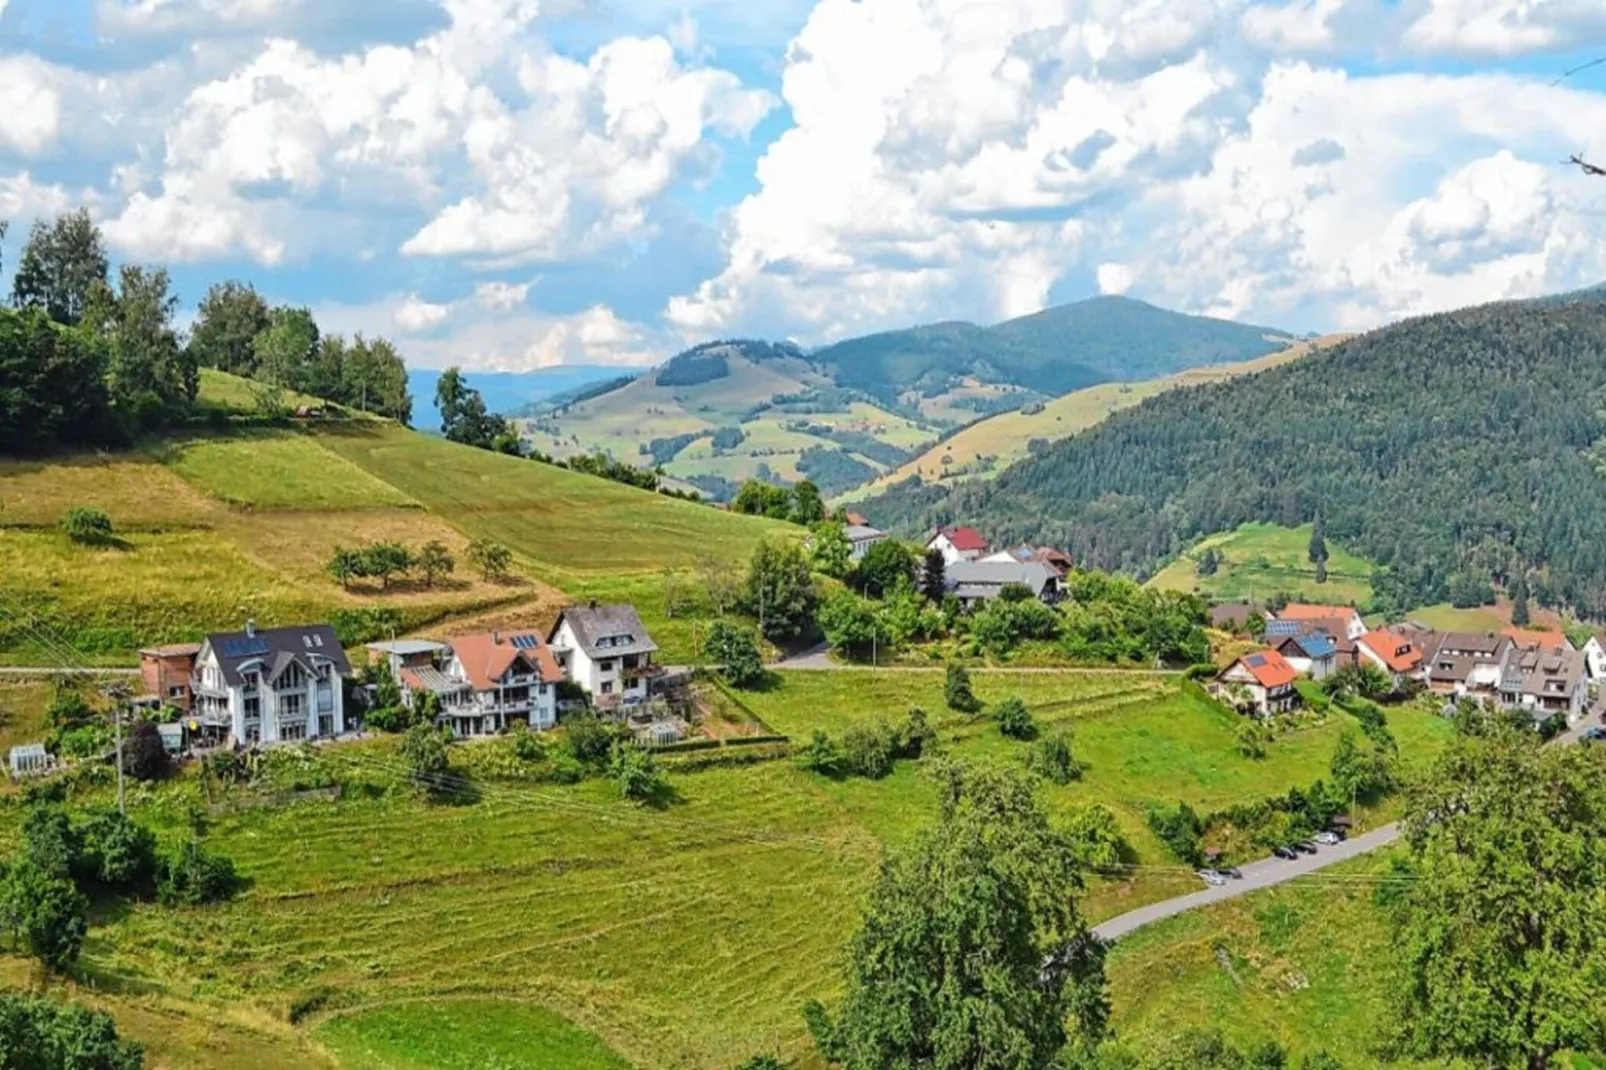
x,y
883,566
48,914
345,565
972,952
934,576
434,561
384,560
491,558
1500,939
424,750
830,551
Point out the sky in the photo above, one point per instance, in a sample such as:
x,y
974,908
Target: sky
x,y
517,184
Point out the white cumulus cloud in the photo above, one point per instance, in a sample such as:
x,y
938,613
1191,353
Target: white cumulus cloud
x,y
415,315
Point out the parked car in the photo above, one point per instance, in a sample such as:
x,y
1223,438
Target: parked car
x,y
1212,877
1234,872
1305,846
1285,852
1593,734
1326,839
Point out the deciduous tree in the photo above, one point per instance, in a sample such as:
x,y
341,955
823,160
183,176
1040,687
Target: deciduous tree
x,y
1500,941
62,262
434,561
780,590
491,558
972,952
230,317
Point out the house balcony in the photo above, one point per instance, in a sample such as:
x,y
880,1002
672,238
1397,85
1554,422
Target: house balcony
x,y
643,672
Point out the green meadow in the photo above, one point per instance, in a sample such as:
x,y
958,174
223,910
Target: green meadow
x,y
1261,560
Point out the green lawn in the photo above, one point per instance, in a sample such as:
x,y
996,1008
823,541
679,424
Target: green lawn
x,y
464,1035
234,395
276,470
1264,559
1304,963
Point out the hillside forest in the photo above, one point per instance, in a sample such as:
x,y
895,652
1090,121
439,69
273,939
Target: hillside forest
x,y
91,359
1459,452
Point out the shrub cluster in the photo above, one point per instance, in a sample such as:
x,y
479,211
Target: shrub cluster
x,y
868,749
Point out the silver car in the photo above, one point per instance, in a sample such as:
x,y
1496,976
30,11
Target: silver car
x,y
1213,877
1326,839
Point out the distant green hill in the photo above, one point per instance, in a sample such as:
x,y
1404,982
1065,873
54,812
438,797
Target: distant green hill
x,y
849,413
1459,452
1052,352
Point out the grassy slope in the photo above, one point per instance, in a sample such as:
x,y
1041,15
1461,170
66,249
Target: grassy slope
x,y
586,536
621,421
629,922
1304,963
1005,436
1264,559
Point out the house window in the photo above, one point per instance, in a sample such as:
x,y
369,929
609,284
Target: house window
x,y
292,733
326,698
253,709
630,661
607,687
176,692
606,665
326,725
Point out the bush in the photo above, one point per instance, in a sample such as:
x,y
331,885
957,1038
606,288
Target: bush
x,y
867,749
49,913
69,710
190,876
957,692
144,756
119,854
820,755
915,736
1097,839
527,746
86,525
636,772
424,751
1552,726
588,740
1053,760
736,651
388,719
37,1033
1179,829
1015,720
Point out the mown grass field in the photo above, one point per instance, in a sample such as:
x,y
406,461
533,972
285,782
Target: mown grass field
x,y
1261,560
464,1035
22,711
275,470
390,921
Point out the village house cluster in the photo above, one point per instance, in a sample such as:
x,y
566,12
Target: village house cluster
x,y
1517,669
973,572
262,686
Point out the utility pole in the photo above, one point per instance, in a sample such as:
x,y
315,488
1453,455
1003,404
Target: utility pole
x,y
118,693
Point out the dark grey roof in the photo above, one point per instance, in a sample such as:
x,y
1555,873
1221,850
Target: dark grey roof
x,y
863,533
1541,673
606,631
276,648
983,579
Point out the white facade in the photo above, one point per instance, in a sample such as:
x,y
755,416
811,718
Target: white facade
x,y
1595,658
302,700
519,694
621,678
951,553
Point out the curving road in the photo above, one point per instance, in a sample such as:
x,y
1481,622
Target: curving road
x,y
1266,873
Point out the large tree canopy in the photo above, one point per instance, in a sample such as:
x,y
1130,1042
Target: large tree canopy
x,y
1501,936
62,263
972,954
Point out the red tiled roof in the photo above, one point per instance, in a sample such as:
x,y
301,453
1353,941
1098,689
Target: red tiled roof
x,y
1529,639
1269,668
487,656
1395,651
1308,611
965,538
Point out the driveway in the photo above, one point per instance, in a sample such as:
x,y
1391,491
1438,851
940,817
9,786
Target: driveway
x,y
1266,873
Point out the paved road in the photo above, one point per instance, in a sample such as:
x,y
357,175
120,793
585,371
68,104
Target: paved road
x,y
1265,873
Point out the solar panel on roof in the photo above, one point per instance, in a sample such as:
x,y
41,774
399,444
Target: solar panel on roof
x,y
1256,660
244,648
525,642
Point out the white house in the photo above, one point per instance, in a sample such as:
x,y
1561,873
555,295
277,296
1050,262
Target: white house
x,y
861,537
491,680
607,651
271,685
1262,677
957,544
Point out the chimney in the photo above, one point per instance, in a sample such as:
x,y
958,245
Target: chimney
x,y
496,638
251,629
593,603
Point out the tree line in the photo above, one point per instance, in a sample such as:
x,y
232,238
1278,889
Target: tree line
x,y
92,358
1460,452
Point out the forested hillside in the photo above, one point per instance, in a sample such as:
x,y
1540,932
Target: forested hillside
x,y
1051,352
1457,450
